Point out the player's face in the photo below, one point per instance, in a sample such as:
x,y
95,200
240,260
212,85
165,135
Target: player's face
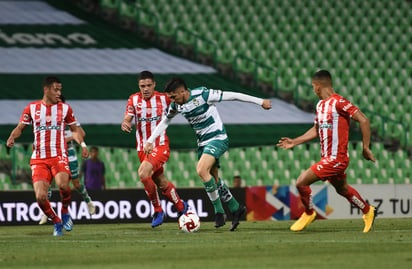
x,y
316,88
178,96
147,87
53,92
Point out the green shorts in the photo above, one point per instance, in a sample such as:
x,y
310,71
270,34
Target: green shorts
x,y
216,148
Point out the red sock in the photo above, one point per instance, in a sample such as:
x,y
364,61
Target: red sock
x,y
172,196
66,197
151,191
306,198
49,212
354,198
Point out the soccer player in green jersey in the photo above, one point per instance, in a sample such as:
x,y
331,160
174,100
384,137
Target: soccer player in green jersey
x,y
198,106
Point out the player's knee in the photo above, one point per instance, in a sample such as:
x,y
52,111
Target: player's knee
x,y
145,180
64,186
144,173
203,173
342,190
41,197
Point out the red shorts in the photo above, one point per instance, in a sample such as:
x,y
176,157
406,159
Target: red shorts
x,y
46,169
330,169
157,158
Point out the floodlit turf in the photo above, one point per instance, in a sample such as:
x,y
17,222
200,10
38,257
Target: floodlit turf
x,y
268,244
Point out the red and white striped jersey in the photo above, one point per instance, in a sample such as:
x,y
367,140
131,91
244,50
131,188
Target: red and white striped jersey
x,y
48,122
333,119
148,114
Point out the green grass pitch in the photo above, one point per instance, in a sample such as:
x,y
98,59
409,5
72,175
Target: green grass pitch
x,y
266,244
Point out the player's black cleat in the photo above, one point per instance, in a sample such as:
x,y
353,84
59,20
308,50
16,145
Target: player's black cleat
x,y
220,220
236,217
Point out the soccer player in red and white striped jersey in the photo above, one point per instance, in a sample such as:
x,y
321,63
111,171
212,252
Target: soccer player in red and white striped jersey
x,y
49,159
333,114
148,107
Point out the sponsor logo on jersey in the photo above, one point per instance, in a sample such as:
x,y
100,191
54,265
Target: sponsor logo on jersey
x,y
49,127
150,119
325,126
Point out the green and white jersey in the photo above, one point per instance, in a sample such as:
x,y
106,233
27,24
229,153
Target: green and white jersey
x,y
201,112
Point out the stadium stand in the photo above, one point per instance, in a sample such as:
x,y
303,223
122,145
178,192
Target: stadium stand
x,y
367,47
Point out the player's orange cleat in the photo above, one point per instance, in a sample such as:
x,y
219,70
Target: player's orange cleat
x,y
369,219
303,221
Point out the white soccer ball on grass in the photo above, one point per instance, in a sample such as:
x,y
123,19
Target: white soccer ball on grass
x,y
189,222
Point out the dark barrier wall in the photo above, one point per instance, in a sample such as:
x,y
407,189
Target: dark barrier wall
x,y
113,206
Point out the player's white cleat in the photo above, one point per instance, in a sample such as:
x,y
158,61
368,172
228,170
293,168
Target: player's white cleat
x,y
43,220
91,207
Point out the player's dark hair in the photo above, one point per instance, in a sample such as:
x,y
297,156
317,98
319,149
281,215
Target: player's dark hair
x,y
145,75
94,148
323,76
174,83
62,98
48,81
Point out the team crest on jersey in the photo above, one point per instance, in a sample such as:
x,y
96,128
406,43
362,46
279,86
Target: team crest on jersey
x,y
130,108
26,117
196,102
38,113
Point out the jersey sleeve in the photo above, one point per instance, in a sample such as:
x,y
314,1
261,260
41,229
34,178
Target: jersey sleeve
x,y
26,116
70,118
212,95
130,110
171,111
346,108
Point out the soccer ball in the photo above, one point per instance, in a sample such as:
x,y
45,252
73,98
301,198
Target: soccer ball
x,y
189,222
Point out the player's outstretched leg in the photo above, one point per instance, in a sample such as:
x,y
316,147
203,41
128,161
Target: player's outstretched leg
x,y
58,229
234,207
369,219
304,220
236,216
171,194
67,222
158,218
212,192
44,218
185,209
86,197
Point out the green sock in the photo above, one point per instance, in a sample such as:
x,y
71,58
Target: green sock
x,y
227,196
82,190
213,194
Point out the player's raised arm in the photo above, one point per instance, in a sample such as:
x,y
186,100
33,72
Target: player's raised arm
x,y
288,143
16,133
126,125
366,134
229,96
78,137
160,128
